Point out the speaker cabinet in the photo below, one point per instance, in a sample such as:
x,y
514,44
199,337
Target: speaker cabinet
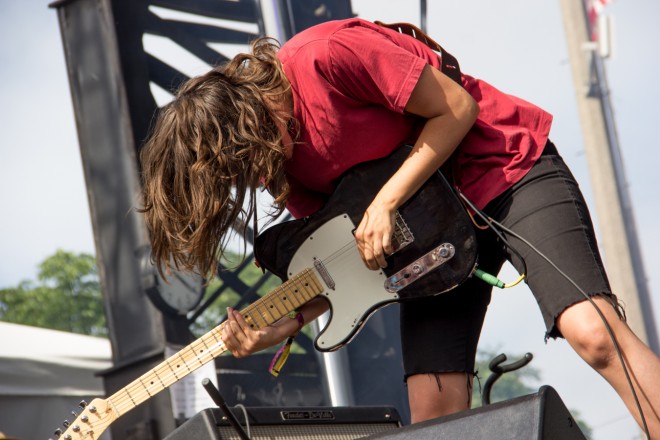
x,y
266,423
540,416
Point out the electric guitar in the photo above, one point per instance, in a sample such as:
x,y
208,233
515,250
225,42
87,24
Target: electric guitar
x,y
435,251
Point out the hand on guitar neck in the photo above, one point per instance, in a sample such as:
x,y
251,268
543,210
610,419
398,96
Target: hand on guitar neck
x,y
242,340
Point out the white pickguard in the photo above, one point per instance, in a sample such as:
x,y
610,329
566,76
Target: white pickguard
x,y
358,291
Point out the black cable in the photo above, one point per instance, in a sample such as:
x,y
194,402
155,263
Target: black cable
x,y
492,223
498,233
215,395
508,245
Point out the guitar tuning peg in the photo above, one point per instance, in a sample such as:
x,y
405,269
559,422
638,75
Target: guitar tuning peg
x,y
74,414
58,433
82,404
66,423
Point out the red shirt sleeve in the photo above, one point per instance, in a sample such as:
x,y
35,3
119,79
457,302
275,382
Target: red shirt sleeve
x,y
376,70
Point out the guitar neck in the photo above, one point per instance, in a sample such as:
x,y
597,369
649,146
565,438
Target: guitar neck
x,y
271,307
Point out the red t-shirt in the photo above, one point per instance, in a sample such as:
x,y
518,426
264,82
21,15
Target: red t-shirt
x,y
351,81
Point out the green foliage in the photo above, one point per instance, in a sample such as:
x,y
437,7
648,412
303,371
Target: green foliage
x,y
66,296
584,426
228,297
217,311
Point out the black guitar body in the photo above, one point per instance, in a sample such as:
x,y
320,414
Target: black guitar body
x,y
434,214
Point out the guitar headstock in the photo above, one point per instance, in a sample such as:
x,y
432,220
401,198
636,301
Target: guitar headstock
x,y
90,423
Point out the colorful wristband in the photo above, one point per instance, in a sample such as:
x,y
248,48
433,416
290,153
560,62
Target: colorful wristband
x,y
283,353
298,317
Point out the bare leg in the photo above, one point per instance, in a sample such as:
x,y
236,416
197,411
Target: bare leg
x,y
436,395
585,332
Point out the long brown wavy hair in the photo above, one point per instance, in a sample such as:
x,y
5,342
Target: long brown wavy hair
x,y
209,151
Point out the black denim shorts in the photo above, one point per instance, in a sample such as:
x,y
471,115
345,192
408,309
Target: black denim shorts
x,y
440,334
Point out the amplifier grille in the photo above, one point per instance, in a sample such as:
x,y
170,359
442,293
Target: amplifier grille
x,y
299,423
335,431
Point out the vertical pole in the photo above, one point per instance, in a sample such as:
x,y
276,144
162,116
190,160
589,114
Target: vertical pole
x,y
107,146
336,368
422,15
615,217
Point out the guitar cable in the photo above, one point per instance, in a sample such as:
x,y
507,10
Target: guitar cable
x,y
494,225
484,276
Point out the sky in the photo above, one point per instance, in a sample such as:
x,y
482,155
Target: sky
x,y
517,45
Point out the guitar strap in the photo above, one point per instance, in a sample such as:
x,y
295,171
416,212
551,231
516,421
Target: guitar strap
x,y
450,65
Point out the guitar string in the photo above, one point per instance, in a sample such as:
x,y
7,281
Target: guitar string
x,y
292,287
143,391
165,373
340,252
137,390
349,245
125,400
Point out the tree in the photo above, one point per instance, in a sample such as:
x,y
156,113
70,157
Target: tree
x,y
217,311
66,296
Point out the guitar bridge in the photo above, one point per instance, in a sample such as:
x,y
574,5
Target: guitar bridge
x,y
402,236
420,267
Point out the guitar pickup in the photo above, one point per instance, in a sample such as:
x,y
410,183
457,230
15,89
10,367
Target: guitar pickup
x,y
420,267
